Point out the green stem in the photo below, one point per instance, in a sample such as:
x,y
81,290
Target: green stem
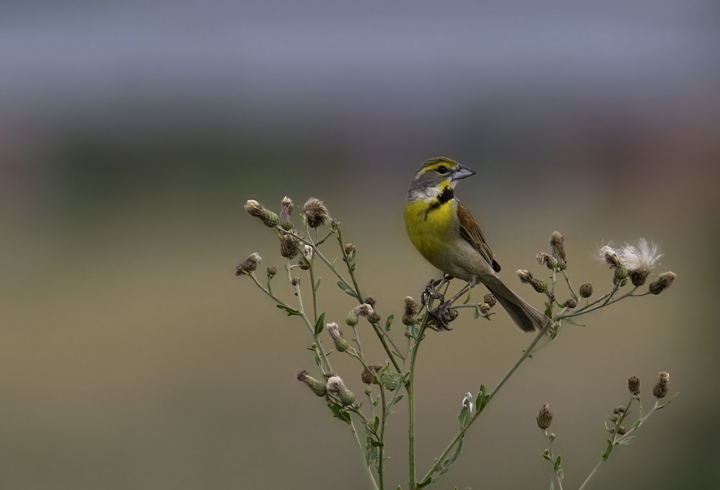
x,y
381,462
362,452
590,475
460,434
410,387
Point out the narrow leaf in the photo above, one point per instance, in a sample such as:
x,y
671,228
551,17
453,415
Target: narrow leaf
x,y
560,475
392,404
637,424
339,413
317,284
625,441
464,417
476,315
388,322
557,463
320,325
290,311
346,288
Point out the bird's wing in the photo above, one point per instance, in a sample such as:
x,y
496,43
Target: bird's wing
x,y
471,232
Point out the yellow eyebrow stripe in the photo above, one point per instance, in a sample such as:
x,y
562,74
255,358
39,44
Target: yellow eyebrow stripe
x,y
434,166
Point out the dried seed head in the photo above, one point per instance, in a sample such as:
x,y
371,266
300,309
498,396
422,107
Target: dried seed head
x,y
525,276
638,276
570,303
340,343
544,417
316,213
619,410
661,388
586,290
547,260
318,387
411,309
367,377
256,209
370,301
336,385
288,246
250,265
621,430
484,308
350,250
611,257
271,271
663,282
556,242
364,310
634,385
295,281
286,207
490,299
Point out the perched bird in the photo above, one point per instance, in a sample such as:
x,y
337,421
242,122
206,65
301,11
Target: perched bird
x,y
447,236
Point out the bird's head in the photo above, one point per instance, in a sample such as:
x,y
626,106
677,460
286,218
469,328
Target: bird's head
x,y
435,176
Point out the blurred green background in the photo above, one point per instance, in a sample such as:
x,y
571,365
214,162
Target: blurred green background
x,y
131,135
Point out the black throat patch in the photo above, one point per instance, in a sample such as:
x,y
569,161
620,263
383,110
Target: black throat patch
x,y
444,197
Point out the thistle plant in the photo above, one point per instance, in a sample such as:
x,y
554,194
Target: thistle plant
x,y
366,403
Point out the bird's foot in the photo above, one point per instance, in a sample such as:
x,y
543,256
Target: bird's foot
x,y
443,315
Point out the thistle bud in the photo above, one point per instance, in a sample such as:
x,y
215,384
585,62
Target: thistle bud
x,y
570,303
340,343
621,430
295,281
411,309
484,309
288,247
256,209
544,417
367,377
370,301
586,290
316,213
638,276
350,250
286,207
271,271
352,318
663,282
634,385
525,276
556,242
547,260
490,299
661,388
336,385
250,265
304,261
619,410
621,273
318,387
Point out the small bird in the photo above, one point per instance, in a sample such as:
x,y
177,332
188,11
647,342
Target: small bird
x,y
447,236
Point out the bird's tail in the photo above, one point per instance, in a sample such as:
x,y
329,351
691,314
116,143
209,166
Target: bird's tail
x,y
525,316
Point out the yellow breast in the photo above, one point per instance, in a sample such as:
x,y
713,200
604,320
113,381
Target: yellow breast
x,y
433,232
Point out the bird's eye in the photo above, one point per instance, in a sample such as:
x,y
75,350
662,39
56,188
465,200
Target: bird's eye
x,y
442,169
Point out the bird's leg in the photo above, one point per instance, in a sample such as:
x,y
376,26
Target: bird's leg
x,y
440,312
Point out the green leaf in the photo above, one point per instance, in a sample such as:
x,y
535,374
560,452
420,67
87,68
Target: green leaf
x,y
560,475
320,324
375,443
388,322
606,454
377,423
468,298
372,455
557,463
546,455
290,311
464,416
446,464
427,481
626,440
572,322
476,315
317,284
346,288
551,437
482,398
392,404
339,413
318,360
548,310
637,424
552,486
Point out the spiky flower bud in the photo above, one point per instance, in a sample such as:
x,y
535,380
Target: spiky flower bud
x,y
544,417
288,246
484,308
547,260
271,271
634,385
525,276
250,265
663,282
619,410
411,309
661,388
556,242
621,430
256,209
350,250
586,290
367,377
340,343
570,303
638,277
352,318
295,281
316,213
490,299
621,273
318,387
336,385
286,207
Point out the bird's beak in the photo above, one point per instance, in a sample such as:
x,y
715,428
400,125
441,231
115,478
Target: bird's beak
x,y
462,172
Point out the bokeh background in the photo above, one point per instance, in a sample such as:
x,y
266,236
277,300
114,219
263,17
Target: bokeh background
x,y
132,133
